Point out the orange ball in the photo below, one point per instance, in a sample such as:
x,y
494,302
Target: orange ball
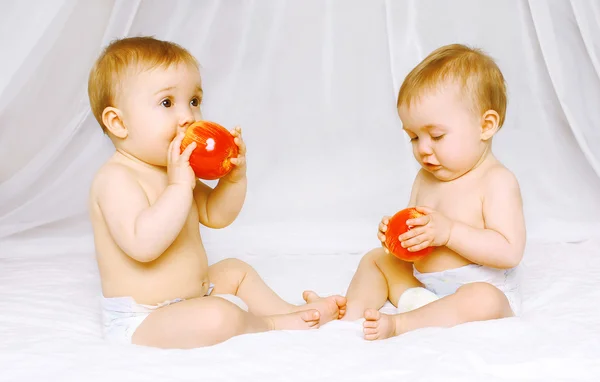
x,y
396,227
215,146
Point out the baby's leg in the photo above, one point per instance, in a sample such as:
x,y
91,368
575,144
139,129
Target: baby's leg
x,y
233,276
471,302
210,320
379,277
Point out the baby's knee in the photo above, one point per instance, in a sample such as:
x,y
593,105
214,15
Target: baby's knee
x,y
222,316
233,264
485,300
373,256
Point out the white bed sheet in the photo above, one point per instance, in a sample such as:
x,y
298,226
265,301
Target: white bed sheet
x,y
49,325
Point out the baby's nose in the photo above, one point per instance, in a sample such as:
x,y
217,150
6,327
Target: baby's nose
x,y
186,118
424,149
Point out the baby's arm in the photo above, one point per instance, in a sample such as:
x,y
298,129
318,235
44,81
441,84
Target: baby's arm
x,y
501,244
141,230
218,207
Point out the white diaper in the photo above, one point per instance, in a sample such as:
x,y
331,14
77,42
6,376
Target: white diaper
x,y
121,316
444,283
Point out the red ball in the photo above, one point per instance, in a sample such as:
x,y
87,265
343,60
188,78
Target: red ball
x,y
215,146
396,227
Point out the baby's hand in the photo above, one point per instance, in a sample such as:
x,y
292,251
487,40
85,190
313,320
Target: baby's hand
x,y
431,230
381,232
179,170
239,170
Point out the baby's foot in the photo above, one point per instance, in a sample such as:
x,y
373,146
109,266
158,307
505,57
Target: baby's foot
x,y
304,319
379,326
331,308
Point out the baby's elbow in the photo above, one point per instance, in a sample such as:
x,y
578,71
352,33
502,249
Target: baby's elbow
x,y
145,257
214,221
511,262
142,253
216,224
513,259
511,253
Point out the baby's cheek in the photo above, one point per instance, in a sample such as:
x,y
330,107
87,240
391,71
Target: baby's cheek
x,y
416,154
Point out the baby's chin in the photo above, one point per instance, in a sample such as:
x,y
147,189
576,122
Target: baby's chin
x,y
443,174
152,159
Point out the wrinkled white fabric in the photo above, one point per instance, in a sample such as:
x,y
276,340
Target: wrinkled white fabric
x,y
50,328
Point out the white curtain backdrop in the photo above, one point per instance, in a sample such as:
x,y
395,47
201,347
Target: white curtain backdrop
x,y
313,84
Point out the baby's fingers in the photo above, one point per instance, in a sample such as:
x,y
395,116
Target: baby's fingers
x,y
415,240
420,246
382,227
381,237
411,233
239,141
176,147
241,146
236,131
185,156
170,152
421,220
239,161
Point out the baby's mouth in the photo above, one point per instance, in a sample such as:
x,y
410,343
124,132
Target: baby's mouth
x,y
431,166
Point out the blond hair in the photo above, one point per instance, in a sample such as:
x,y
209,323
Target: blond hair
x,y
119,57
475,71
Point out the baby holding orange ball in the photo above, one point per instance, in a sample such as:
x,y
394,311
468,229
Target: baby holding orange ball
x,y
451,256
146,204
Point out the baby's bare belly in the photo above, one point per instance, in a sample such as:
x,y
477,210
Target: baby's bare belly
x,y
439,260
181,274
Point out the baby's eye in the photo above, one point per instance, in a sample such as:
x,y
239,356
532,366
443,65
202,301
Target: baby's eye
x,y
438,137
195,102
166,102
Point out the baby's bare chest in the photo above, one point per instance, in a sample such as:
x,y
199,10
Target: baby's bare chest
x,y
153,185
460,201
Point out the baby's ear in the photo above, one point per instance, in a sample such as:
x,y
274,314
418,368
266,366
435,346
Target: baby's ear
x,y
489,124
111,117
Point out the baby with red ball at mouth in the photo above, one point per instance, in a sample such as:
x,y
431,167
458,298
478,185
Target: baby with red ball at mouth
x,y
147,201
451,256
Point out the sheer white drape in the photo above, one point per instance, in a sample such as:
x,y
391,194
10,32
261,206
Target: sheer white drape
x,y
572,58
313,84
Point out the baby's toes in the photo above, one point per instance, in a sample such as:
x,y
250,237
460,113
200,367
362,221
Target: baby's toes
x,y
340,301
310,296
311,316
372,314
371,335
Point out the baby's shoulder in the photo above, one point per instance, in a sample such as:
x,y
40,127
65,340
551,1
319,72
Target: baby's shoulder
x,y
499,176
112,174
